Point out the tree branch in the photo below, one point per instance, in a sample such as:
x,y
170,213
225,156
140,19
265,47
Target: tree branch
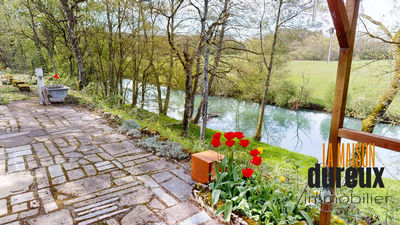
x,y
381,26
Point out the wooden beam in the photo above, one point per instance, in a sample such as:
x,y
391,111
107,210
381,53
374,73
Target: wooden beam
x,y
364,137
345,31
352,8
341,20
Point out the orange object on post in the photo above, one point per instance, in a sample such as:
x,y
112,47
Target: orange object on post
x,y
202,165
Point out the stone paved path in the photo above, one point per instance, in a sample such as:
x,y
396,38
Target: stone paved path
x,y
65,165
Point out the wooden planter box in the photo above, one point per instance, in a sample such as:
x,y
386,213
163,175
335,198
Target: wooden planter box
x,y
202,165
17,82
23,87
9,78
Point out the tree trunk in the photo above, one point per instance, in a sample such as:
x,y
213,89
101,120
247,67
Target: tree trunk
x,y
169,83
369,123
159,94
205,93
121,51
53,63
74,41
23,55
195,82
134,68
41,58
71,64
257,135
188,99
110,50
143,92
205,77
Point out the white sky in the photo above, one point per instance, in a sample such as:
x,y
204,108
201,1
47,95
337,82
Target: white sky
x,y
382,10
377,8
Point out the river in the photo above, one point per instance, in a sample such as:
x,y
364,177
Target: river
x,y
301,131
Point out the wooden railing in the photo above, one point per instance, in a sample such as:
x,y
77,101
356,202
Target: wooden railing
x,y
364,137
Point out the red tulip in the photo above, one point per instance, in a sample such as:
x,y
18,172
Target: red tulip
x,y
230,143
216,142
230,135
2,67
254,152
239,135
247,172
56,76
217,135
256,160
244,143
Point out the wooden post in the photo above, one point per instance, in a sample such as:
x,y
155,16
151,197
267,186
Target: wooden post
x,y
331,32
345,21
40,83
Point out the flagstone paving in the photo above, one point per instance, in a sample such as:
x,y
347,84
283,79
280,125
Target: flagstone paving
x,y
62,164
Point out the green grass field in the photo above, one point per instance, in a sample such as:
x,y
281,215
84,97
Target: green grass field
x,y
367,82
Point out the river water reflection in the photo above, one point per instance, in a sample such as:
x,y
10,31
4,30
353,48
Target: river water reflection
x,y
301,131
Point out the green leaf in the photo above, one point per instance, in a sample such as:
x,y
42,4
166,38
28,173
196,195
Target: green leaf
x,y
215,196
308,219
220,210
235,174
228,210
215,168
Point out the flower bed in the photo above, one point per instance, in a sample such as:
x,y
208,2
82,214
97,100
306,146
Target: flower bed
x,y
201,194
242,187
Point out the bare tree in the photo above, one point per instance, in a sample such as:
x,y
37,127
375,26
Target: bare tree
x,y
186,58
217,57
207,82
280,20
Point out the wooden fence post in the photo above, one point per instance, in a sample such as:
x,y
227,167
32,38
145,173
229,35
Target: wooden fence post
x,y
345,21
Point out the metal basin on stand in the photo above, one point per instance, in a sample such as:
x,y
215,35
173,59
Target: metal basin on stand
x,y
57,93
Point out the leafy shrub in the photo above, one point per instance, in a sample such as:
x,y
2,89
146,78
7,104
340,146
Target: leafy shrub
x,y
329,95
166,149
287,93
3,101
113,101
134,133
283,93
90,88
128,125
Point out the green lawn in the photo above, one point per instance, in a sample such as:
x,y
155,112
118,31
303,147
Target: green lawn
x,y
367,82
